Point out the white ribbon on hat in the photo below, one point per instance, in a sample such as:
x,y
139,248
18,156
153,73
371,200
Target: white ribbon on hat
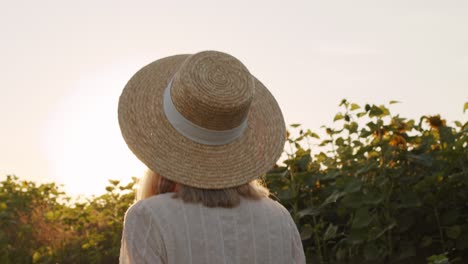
x,y
193,131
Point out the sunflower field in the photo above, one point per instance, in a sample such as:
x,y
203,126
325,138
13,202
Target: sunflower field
x,y
373,188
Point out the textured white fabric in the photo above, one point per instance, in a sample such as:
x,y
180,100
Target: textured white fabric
x,y
194,132
162,229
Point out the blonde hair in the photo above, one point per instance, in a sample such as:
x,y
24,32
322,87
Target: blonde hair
x,y
152,184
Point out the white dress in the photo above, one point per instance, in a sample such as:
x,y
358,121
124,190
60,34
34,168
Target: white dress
x,y
162,229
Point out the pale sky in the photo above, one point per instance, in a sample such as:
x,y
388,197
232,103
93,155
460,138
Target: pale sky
x,y
64,63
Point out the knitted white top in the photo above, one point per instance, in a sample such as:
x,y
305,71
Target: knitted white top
x,y
162,229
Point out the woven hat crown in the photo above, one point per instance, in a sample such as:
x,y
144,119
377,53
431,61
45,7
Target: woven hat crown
x,y
201,120
213,90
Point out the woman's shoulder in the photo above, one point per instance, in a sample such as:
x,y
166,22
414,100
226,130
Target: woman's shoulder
x,y
159,199
276,204
268,204
154,202
166,204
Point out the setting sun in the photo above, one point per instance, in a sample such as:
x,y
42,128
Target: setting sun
x,y
81,139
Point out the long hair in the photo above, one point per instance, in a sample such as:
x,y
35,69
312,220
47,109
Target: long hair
x,y
152,184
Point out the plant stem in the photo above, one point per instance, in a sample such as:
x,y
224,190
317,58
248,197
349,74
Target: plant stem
x,y
441,233
389,219
316,235
294,187
333,147
318,243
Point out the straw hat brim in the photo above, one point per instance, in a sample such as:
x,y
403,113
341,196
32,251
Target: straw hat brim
x,y
159,146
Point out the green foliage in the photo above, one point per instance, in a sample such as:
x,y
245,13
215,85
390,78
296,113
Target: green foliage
x,y
39,224
378,189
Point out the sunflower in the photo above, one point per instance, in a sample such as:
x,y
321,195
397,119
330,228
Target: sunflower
x,y
397,141
435,122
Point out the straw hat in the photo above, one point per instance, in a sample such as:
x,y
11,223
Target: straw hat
x,y
202,120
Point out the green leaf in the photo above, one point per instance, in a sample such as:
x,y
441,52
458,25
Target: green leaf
x,y
372,126
353,185
354,200
353,127
308,178
331,175
50,216
450,217
357,236
365,133
405,222
339,141
465,107
303,162
361,114
407,251
385,110
453,232
409,200
361,218
422,159
129,186
114,182
462,241
321,157
295,125
394,102
341,253
306,232
371,252
285,194
338,116
426,241
86,246
309,211
383,231
375,111
333,197
438,259
374,197
446,134
325,142
36,257
312,134
354,107
368,167
330,232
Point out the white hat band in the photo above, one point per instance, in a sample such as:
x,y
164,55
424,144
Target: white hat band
x,y
194,132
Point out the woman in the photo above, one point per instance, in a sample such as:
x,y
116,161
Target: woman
x,y
207,130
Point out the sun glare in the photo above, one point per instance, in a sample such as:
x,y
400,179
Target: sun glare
x,y
81,139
